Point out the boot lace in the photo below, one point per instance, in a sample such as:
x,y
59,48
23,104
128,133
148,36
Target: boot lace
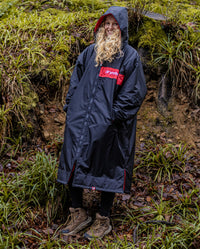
x,y
72,217
97,225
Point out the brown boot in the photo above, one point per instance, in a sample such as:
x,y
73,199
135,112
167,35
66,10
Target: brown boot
x,y
99,228
78,220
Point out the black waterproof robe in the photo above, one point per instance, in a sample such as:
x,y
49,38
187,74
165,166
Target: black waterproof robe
x,y
101,105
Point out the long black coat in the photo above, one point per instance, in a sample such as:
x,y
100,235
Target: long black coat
x,y
101,105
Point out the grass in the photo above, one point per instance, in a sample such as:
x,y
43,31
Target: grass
x,y
153,231
33,186
161,161
33,206
180,54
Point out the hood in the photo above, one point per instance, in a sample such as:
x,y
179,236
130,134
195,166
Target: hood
x,y
121,16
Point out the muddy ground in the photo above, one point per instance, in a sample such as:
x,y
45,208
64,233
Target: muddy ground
x,y
178,124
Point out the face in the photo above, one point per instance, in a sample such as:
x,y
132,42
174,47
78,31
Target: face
x,y
110,25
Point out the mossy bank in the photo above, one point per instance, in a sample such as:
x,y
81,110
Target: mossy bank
x,y
40,41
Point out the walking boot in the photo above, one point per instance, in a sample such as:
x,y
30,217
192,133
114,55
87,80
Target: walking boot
x,y
99,228
77,221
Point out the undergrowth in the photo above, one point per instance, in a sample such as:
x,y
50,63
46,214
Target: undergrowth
x,y
33,206
39,44
26,192
180,54
161,161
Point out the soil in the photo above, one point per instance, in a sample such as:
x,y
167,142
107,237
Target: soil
x,y
179,123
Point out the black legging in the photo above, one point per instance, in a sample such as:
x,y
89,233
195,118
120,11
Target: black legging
x,y
106,200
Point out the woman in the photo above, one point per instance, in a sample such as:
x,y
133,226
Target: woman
x,y
107,88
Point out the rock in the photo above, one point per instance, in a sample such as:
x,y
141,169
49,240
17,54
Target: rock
x,y
152,15
155,16
164,94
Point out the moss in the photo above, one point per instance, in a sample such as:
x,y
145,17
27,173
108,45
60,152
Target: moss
x,y
39,48
67,5
178,11
149,35
87,5
6,7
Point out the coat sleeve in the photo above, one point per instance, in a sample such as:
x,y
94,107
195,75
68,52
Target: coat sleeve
x,y
76,75
133,91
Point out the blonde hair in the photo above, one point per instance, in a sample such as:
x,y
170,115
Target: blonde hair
x,y
107,47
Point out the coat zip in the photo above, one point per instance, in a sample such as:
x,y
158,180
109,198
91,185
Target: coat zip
x,y
77,154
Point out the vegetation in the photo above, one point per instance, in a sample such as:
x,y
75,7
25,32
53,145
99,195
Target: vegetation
x,y
39,44
181,55
164,160
37,40
33,205
40,41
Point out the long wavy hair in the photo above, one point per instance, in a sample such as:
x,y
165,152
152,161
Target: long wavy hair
x,y
107,47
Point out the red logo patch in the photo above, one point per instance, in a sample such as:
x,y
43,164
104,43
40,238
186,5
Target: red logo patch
x,y
112,73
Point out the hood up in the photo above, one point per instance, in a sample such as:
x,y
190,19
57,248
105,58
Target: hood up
x,y
121,16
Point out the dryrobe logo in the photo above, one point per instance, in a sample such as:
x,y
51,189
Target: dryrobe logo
x,y
112,73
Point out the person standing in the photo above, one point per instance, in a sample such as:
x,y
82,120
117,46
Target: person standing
x,y
106,90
